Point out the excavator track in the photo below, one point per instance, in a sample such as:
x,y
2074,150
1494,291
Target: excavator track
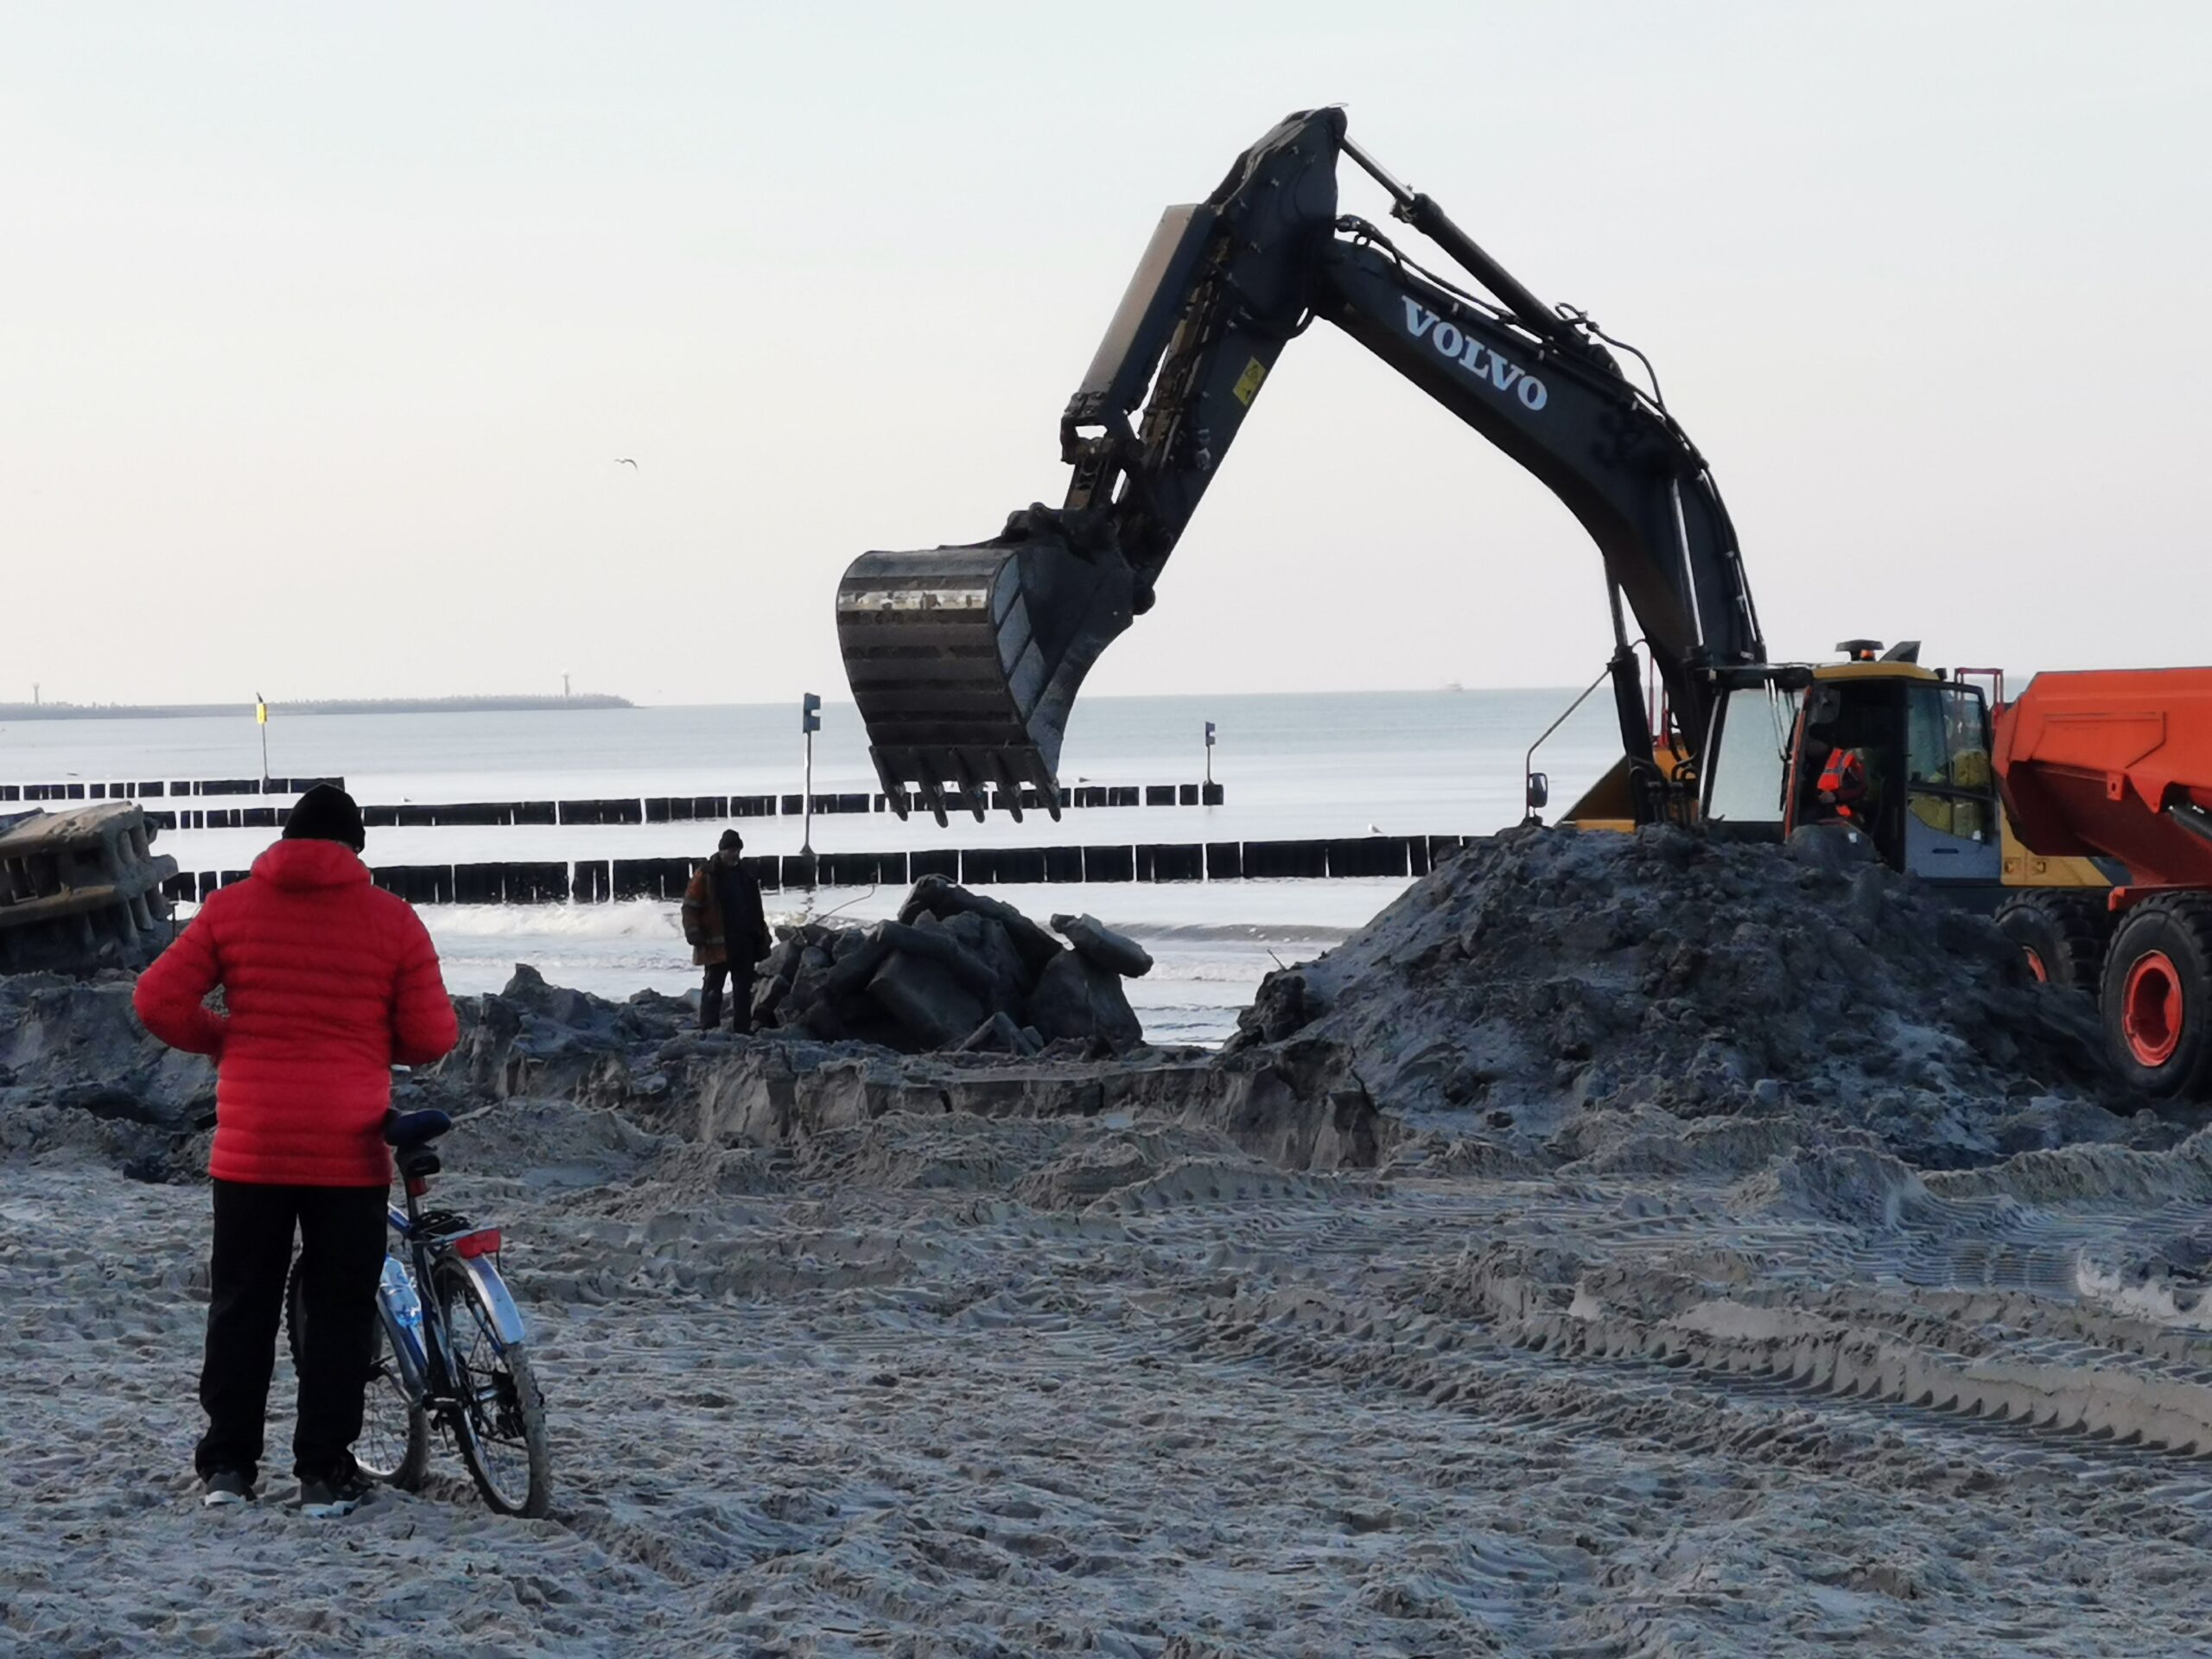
x,y
2008,1361
2086,1395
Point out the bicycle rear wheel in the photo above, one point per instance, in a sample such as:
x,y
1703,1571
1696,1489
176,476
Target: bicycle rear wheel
x,y
501,1421
394,1447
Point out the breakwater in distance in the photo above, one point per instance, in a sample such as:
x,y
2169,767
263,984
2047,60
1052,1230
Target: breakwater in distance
x,y
486,705
180,789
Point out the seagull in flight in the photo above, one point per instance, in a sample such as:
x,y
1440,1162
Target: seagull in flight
x,y
625,460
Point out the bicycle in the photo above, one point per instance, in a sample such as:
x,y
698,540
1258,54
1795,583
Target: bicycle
x,y
458,1357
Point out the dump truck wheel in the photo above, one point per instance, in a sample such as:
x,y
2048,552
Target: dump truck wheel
x,y
2060,935
2158,997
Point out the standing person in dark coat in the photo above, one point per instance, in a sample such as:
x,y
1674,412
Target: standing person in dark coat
x,y
327,983
728,933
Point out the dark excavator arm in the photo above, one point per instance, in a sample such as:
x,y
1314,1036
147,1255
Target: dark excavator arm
x,y
1616,463
965,660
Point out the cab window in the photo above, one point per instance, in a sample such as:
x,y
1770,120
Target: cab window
x,y
1946,759
1752,756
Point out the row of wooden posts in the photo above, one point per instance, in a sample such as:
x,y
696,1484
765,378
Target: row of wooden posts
x,y
620,809
599,880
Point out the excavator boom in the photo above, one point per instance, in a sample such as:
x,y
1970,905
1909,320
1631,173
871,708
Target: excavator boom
x,y
965,660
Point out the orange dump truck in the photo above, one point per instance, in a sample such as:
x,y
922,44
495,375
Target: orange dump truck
x,y
2117,765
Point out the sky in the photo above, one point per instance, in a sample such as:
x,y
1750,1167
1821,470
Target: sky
x,y
324,326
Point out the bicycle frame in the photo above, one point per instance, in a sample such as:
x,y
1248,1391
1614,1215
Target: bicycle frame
x,y
415,1327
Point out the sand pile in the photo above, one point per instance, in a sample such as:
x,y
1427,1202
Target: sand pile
x,y
78,1071
1661,1330
1560,995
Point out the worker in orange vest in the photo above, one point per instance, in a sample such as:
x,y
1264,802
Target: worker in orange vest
x,y
1842,787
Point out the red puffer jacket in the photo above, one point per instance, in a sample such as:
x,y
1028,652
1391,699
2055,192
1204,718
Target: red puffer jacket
x,y
330,982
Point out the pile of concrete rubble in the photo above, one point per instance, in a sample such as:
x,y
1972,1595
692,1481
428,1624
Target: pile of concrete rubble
x,y
955,970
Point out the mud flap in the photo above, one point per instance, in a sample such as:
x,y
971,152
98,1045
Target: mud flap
x,y
492,1295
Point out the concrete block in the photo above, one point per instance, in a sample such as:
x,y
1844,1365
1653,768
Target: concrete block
x,y
1076,998
926,999
1095,942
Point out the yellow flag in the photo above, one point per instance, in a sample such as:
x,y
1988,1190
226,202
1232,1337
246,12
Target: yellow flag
x,y
260,714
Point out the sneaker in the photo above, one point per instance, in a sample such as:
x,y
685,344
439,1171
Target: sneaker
x,y
334,1495
226,1489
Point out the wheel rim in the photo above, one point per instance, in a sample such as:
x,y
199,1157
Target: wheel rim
x,y
490,1405
2150,1008
387,1416
2035,963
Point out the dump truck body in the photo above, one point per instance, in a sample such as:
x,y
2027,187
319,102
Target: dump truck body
x,y
2114,763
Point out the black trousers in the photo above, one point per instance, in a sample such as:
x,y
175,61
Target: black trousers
x,y
739,976
342,1231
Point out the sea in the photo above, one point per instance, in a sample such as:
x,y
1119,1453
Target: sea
x,y
1292,765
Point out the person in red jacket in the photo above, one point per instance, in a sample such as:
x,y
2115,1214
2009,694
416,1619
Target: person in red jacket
x,y
327,983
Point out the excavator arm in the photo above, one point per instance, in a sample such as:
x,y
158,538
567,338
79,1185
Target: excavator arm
x,y
965,660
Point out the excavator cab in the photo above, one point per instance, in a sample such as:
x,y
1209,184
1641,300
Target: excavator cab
x,y
1902,754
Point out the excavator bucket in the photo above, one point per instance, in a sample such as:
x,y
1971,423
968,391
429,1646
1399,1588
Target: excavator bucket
x,y
964,661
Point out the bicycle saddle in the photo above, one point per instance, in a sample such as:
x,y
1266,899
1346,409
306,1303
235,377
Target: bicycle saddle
x,y
409,1130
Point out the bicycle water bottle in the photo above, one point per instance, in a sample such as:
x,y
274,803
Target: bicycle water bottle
x,y
398,1293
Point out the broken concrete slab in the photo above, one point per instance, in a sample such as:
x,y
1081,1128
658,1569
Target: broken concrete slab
x,y
1117,952
1075,997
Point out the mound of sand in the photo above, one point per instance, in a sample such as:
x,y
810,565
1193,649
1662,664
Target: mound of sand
x,y
78,1072
1661,1332
1565,995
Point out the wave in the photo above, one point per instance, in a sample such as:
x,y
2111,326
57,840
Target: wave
x,y
631,918
652,918
1238,932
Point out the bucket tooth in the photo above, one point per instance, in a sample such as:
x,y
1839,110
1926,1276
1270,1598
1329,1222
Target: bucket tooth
x,y
1047,786
929,779
958,771
891,773
1006,777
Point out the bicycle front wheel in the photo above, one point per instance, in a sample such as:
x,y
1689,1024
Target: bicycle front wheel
x,y
500,1421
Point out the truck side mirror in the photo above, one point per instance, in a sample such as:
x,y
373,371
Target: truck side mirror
x,y
1540,790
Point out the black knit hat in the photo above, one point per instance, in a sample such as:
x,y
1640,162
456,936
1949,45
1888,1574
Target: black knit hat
x,y
327,813
731,841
